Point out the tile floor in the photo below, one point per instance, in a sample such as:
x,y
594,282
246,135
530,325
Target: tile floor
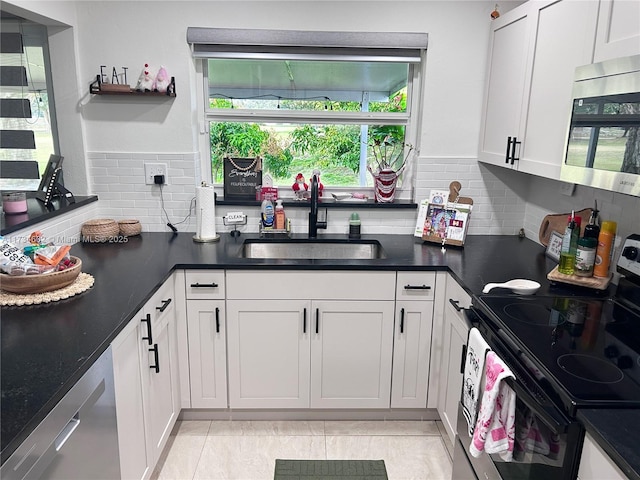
x,y
247,450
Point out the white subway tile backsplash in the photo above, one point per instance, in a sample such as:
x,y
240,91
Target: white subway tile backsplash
x,y
504,201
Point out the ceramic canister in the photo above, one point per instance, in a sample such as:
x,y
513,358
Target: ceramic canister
x,y
13,203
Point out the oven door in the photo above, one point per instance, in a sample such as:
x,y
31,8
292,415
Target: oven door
x,y
547,443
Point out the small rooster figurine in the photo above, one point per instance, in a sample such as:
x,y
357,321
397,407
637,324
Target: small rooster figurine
x,y
300,187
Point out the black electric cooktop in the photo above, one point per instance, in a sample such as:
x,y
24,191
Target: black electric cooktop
x,y
587,349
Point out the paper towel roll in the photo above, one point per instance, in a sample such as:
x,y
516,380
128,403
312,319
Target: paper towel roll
x,y
205,214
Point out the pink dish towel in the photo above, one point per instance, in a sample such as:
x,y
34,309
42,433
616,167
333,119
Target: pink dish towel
x,y
495,428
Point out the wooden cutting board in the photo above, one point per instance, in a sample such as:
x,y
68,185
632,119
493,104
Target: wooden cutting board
x,y
558,222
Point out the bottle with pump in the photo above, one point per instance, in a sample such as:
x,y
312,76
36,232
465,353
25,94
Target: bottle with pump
x,y
569,245
280,222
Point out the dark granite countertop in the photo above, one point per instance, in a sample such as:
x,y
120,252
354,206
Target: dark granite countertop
x,y
46,349
617,431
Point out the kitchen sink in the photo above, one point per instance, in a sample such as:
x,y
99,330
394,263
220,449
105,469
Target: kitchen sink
x,y
312,249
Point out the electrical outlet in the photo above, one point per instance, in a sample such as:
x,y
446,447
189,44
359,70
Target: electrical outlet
x,y
567,188
153,169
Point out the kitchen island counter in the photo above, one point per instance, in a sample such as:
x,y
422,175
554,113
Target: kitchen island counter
x,y
47,348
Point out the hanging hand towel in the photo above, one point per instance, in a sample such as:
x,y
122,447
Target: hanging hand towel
x,y
477,350
495,428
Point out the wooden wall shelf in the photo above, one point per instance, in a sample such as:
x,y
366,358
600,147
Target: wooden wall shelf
x,y
98,88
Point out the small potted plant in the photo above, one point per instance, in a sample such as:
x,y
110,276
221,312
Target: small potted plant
x,y
387,161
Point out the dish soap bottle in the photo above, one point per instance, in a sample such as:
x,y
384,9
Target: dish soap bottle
x,y
569,245
267,215
280,216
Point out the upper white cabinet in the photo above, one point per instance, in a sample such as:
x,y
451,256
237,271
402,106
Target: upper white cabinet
x,y
534,51
618,33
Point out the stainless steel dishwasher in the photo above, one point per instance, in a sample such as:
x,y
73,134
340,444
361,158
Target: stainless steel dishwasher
x,y
79,438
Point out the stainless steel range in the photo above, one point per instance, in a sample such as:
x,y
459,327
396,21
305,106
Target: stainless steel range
x,y
567,353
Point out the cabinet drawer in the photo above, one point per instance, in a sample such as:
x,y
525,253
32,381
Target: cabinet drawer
x,y
415,285
162,305
318,285
457,294
204,284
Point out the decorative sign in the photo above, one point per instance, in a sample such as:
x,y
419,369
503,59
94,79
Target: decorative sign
x,y
242,178
554,247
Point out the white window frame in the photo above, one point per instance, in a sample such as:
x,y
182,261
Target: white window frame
x,y
411,119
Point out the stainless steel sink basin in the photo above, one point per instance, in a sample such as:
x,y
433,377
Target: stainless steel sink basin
x,y
312,249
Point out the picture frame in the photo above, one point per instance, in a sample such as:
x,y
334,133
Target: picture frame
x,y
49,178
242,177
554,246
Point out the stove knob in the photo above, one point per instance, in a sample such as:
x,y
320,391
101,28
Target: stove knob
x,y
625,362
631,253
611,351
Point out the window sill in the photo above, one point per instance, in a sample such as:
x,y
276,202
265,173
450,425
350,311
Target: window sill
x,y
37,212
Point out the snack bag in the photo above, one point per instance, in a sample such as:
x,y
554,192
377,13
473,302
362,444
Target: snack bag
x,y
11,257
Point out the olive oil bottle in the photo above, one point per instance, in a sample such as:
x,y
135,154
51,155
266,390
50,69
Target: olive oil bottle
x,y
570,245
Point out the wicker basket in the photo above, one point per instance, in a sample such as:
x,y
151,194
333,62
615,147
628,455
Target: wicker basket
x,y
99,230
129,228
45,282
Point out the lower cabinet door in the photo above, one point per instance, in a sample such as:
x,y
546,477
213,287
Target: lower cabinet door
x,y
351,349
160,383
411,354
455,338
206,328
127,378
268,353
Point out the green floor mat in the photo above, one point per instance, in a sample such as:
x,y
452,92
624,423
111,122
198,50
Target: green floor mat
x,y
330,469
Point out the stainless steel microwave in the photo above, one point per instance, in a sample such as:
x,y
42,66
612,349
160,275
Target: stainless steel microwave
x,y
603,143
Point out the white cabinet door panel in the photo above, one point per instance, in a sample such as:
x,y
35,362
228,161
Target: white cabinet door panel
x,y
411,353
351,354
207,353
618,33
505,93
268,353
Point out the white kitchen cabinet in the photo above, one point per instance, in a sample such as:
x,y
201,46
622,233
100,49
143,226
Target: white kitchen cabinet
x,y
412,339
207,353
351,353
268,353
127,376
206,333
595,464
159,363
534,51
146,383
618,33
455,332
301,339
